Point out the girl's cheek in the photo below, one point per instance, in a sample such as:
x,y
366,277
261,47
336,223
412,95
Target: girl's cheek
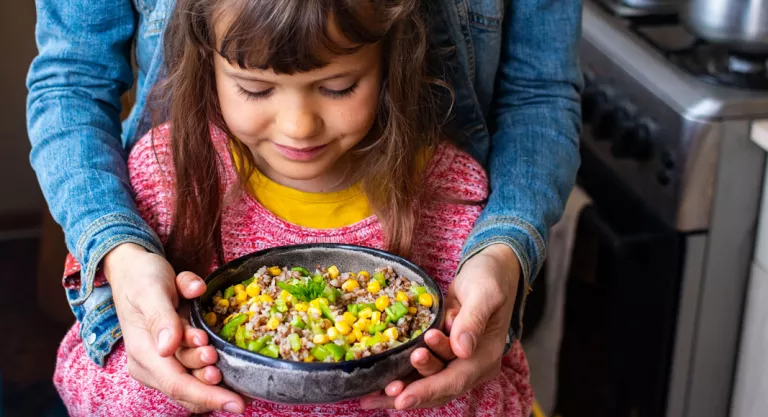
x,y
246,123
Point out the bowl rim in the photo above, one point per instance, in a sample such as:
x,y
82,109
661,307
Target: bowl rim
x,y
232,349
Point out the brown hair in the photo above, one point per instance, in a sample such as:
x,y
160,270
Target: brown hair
x,y
291,36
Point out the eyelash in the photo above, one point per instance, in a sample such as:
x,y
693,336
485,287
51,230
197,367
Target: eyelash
x,y
334,94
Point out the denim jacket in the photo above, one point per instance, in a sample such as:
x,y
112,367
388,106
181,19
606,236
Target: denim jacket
x,y
513,64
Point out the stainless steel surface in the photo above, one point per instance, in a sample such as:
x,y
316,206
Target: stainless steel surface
x,y
726,269
712,176
630,60
682,357
741,25
639,8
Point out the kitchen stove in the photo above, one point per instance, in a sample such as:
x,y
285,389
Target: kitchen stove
x,y
676,184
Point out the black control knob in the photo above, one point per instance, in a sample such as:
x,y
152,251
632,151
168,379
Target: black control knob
x,y
591,100
610,122
633,142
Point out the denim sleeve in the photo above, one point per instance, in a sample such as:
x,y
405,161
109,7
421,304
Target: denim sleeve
x,y
536,119
73,118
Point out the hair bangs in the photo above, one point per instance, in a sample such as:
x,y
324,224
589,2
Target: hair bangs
x,y
293,36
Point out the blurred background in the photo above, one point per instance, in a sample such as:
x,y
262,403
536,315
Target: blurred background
x,y
652,300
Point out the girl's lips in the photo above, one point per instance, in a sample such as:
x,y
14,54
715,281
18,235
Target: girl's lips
x,y
303,155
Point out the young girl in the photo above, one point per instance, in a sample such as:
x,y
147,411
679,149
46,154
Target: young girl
x,y
295,121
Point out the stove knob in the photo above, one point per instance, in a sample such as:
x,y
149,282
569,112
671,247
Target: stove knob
x,y
611,122
634,142
591,100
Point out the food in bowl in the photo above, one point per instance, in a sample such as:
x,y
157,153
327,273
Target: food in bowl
x,y
321,316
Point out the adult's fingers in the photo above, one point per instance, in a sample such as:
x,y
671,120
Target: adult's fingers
x,y
193,337
452,307
161,320
173,380
458,377
190,285
470,323
198,357
440,344
425,362
209,375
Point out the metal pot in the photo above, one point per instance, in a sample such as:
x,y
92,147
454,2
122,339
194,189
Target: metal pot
x,y
740,25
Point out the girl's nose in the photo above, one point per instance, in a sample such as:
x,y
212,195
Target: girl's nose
x,y
298,120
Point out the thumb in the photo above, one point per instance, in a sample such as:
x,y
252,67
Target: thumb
x,y
162,320
469,324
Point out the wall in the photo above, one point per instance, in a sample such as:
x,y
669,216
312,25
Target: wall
x,y
19,191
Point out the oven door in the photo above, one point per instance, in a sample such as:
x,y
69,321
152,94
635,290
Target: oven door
x,y
620,308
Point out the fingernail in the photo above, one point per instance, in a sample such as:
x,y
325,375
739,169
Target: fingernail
x,y
232,408
409,402
204,357
163,338
198,341
467,341
195,285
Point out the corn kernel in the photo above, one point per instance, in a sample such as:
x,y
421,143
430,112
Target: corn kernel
x,y
412,310
376,317
210,319
216,299
309,358
241,297
401,296
272,323
301,307
382,302
348,317
275,271
229,317
250,314
343,327
390,333
239,288
361,325
320,339
223,303
365,339
364,274
314,312
374,287
317,301
333,333
253,289
350,338
333,272
350,285
327,324
358,334
425,300
365,313
285,296
266,298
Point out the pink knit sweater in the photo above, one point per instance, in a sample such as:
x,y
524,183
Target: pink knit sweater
x,y
88,390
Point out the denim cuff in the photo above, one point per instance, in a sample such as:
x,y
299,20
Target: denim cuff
x,y
102,236
528,246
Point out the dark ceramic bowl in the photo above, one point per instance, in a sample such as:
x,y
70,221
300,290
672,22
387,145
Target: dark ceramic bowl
x,y
290,382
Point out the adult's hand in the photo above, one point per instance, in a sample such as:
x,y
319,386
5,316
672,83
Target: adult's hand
x,y
479,308
144,288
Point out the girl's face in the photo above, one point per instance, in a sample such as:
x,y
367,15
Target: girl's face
x,y
300,127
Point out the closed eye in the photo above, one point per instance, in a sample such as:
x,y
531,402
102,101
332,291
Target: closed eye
x,y
254,95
